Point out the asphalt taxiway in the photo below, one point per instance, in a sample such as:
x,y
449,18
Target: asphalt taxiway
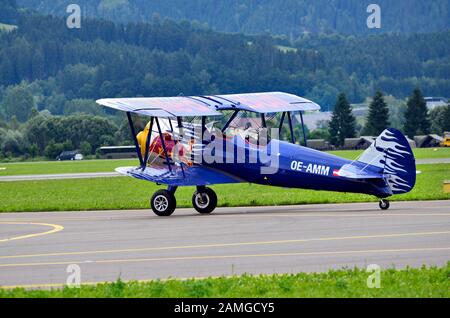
x,y
36,249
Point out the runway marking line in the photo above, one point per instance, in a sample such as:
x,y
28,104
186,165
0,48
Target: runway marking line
x,y
223,245
243,214
216,257
55,228
252,210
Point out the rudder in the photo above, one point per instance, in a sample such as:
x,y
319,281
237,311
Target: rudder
x,y
391,152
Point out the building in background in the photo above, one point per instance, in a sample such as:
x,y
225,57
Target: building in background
x,y
433,102
428,141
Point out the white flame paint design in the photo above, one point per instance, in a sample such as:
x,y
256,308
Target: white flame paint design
x,y
390,153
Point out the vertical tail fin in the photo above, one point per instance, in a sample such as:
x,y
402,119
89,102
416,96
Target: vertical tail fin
x,y
392,152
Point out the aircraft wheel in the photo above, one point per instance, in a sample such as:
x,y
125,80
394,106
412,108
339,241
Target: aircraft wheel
x,y
384,204
204,201
163,203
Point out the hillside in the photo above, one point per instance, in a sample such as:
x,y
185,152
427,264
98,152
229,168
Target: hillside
x,y
104,59
281,17
47,69
8,13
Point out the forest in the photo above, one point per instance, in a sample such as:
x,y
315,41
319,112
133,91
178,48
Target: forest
x,y
104,59
280,17
48,70
8,11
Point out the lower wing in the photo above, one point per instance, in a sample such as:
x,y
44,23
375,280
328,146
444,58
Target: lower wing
x,y
186,176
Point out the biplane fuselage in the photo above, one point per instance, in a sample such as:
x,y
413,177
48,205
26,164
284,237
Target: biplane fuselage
x,y
301,167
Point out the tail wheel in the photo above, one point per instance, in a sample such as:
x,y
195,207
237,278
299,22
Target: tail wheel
x,y
163,203
384,204
204,201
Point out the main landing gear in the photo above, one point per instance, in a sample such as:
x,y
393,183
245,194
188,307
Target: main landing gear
x,y
163,202
204,200
384,204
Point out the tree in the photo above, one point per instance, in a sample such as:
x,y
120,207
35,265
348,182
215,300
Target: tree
x,y
417,122
378,117
85,148
12,142
34,150
342,124
67,145
319,134
397,109
79,106
446,121
8,11
53,149
440,119
18,102
34,112
68,132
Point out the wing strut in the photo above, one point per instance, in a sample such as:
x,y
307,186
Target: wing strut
x,y
133,132
233,116
177,140
163,144
180,127
147,143
203,126
291,128
263,120
282,121
303,127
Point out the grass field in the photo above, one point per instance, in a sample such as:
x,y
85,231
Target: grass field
x,y
128,193
419,153
53,167
411,283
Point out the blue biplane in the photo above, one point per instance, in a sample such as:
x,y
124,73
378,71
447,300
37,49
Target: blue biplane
x,y
206,140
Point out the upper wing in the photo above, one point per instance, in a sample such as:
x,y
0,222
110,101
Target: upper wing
x,y
192,176
161,106
271,102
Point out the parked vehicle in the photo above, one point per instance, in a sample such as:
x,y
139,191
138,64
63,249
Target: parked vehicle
x,y
70,155
446,141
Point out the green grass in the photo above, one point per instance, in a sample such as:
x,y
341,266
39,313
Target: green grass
x,y
129,193
85,166
408,283
54,167
419,153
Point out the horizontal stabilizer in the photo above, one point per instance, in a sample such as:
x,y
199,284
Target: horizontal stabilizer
x,y
353,171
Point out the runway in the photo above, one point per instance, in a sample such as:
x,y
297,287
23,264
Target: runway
x,y
36,249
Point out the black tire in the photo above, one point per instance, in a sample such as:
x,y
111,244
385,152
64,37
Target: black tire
x,y
204,201
163,203
384,204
